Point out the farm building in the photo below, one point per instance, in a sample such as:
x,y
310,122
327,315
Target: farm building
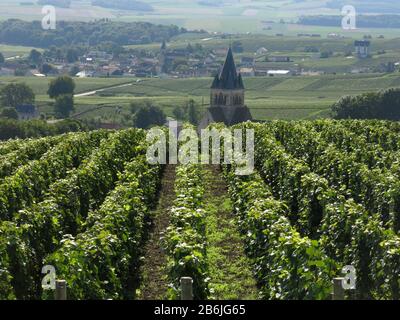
x,y
273,73
279,59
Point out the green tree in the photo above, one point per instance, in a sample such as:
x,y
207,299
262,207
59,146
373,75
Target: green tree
x,y
72,55
134,106
188,112
326,54
148,115
2,59
47,68
383,105
35,56
63,85
179,113
64,105
10,129
193,114
15,94
74,70
9,113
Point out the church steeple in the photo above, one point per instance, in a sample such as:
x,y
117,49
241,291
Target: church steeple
x,y
228,79
227,103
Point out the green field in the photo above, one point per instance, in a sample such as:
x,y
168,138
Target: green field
x,y
267,97
13,51
40,85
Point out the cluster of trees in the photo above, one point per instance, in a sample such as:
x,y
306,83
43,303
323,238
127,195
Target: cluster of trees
x,y
189,112
73,33
374,105
363,21
15,94
70,54
11,129
39,60
123,5
146,114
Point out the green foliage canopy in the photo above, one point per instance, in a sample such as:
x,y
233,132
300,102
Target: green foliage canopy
x,y
15,94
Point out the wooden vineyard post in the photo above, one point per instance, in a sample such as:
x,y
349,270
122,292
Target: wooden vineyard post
x,y
186,288
338,290
61,290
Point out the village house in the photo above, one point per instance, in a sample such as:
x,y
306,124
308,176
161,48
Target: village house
x,y
279,59
247,72
247,61
261,51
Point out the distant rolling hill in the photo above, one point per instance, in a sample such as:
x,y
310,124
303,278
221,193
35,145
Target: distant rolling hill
x,y
123,5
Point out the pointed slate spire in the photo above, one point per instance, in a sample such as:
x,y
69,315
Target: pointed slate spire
x,y
228,73
228,79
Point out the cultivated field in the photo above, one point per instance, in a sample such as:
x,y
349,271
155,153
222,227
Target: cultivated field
x,y
323,195
268,97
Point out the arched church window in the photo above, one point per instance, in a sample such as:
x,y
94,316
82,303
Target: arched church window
x,y
221,98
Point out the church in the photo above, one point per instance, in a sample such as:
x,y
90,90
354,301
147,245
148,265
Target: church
x,y
227,98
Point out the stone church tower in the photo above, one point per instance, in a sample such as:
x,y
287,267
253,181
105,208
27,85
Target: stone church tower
x,y
227,97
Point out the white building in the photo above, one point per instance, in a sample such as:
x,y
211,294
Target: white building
x,y
278,72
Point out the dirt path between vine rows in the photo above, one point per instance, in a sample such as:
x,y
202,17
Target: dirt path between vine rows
x,y
154,282
229,268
